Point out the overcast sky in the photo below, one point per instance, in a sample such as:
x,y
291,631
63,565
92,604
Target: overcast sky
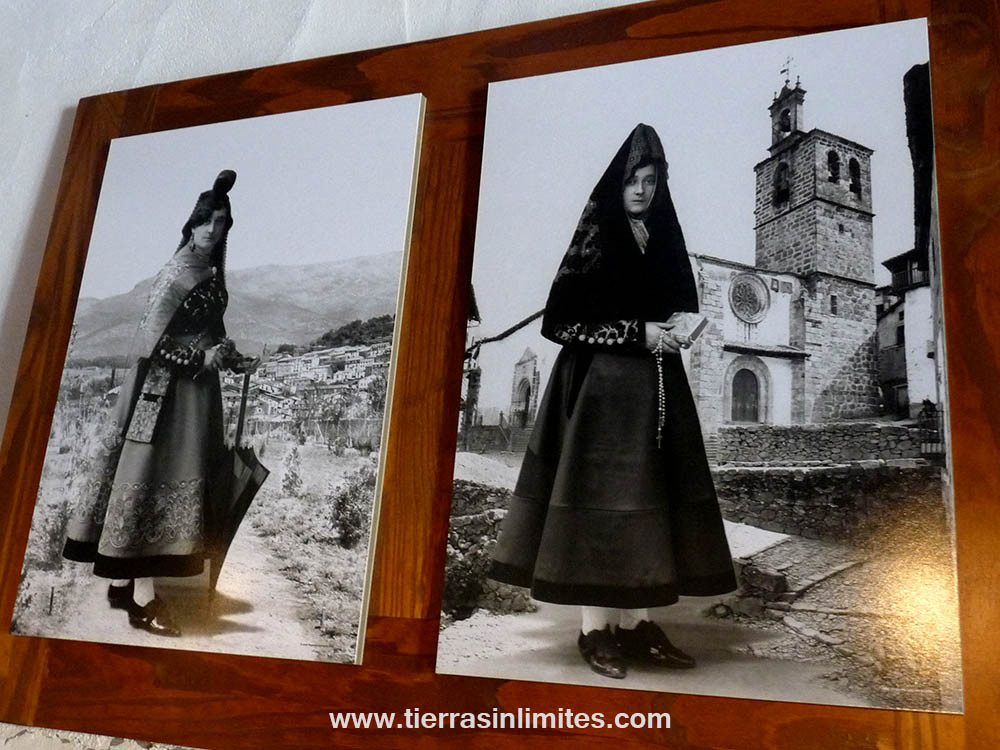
x,y
549,138
312,186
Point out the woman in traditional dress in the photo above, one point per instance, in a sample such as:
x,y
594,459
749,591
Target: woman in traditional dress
x,y
143,514
615,509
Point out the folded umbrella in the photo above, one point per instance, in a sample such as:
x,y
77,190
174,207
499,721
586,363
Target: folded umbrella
x,y
234,487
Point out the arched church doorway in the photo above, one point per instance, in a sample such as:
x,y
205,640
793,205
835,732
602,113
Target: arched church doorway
x,y
522,406
746,397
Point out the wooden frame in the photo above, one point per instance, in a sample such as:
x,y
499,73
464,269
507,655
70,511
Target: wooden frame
x,y
212,700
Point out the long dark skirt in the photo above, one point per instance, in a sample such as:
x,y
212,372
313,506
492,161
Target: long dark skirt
x,y
600,515
143,511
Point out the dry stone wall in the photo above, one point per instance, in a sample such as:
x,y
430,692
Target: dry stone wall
x,y
476,513
816,443
839,503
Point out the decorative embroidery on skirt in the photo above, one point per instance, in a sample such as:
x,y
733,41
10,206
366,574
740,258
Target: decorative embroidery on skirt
x,y
112,437
92,504
141,514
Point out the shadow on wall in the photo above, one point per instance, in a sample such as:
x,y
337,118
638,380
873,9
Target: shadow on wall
x,y
853,392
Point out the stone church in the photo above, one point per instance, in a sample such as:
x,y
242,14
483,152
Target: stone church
x,y
791,339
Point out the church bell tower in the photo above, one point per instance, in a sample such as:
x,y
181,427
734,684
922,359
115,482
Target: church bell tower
x,y
813,206
813,218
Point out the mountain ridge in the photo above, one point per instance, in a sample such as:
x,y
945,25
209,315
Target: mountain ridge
x,y
268,305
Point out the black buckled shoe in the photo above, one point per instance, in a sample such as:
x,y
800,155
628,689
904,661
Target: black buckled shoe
x,y
154,618
648,643
600,650
120,597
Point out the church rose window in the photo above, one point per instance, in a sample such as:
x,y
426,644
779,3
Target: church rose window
x,y
749,298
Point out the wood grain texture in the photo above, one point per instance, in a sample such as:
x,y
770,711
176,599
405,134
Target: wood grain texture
x,y
222,701
965,79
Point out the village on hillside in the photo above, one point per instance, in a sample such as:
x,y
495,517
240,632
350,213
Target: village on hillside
x,y
327,394
314,391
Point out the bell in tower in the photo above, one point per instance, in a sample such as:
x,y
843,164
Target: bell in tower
x,y
813,208
786,112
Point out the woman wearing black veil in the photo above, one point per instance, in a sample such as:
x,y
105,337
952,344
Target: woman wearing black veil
x,y
142,515
615,509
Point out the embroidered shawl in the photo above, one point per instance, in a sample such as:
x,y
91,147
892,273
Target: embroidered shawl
x,y
182,273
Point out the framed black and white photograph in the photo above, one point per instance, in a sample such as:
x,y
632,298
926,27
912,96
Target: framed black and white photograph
x,y
702,445
212,475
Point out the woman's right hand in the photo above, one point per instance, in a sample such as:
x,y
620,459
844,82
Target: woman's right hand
x,y
671,343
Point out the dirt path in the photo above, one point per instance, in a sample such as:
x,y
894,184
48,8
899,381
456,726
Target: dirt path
x,y
256,609
542,647
735,657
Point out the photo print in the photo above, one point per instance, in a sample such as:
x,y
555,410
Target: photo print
x,y
212,475
702,443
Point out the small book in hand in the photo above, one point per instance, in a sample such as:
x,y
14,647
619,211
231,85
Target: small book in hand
x,y
687,326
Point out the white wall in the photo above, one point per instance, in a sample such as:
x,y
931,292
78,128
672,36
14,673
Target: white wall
x,y
54,53
774,329
920,373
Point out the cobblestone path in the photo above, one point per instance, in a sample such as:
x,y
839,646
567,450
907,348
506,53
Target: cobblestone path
x,y
883,615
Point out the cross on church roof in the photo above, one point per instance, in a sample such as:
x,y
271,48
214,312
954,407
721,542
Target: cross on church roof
x,y
785,70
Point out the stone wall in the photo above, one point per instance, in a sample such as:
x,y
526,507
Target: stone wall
x,y
824,226
706,369
844,237
476,513
482,438
801,183
787,243
824,232
839,191
842,370
841,503
816,443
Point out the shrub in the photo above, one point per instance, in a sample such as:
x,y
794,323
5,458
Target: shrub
x,y
352,506
291,479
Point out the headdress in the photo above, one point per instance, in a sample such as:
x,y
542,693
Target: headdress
x,y
604,275
185,269
209,201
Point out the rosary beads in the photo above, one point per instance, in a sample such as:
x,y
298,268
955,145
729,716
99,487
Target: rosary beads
x,y
661,397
